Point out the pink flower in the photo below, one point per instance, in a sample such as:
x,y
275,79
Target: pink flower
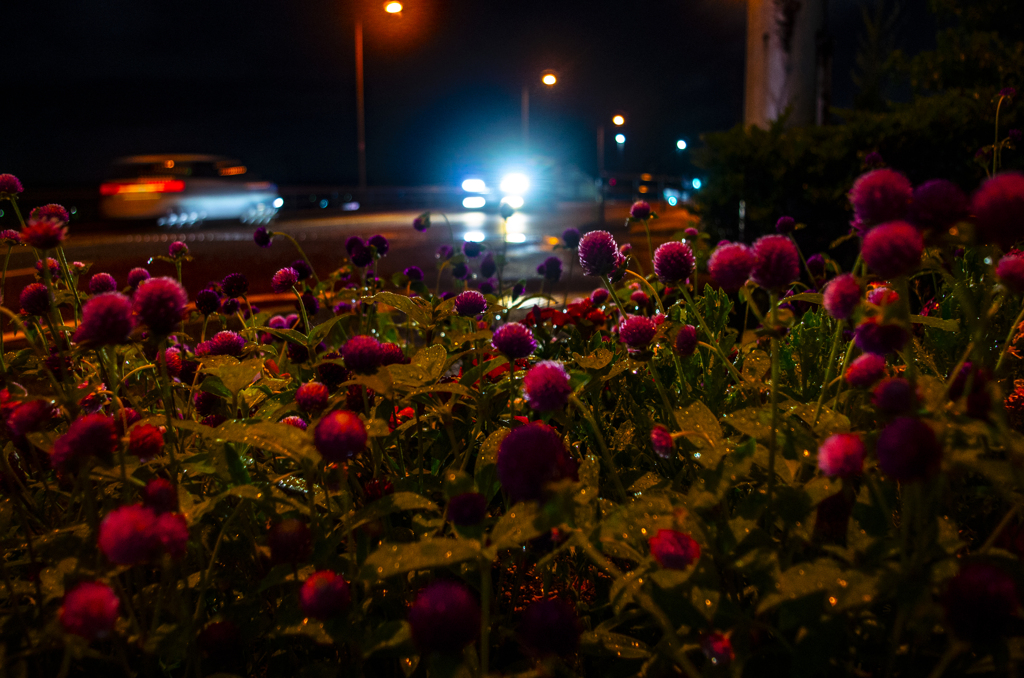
x,y
730,266
312,396
674,550
91,435
146,442
841,455
879,196
893,249
106,319
171,531
1010,271
842,296
44,234
662,442
339,436
865,370
324,595
546,386
776,262
445,618
998,207
90,610
290,541
160,303
127,535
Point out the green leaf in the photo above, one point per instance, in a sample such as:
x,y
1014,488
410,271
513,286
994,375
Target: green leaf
x,y
281,439
938,323
320,332
595,361
414,307
426,367
394,559
700,425
843,588
288,335
613,645
813,297
387,636
385,506
486,471
236,376
521,524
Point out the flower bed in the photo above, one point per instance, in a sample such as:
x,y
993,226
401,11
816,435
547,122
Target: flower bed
x,y
796,471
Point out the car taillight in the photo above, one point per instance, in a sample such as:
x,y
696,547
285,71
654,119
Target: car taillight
x,y
169,186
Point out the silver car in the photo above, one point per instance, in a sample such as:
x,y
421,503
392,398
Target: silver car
x,y
185,190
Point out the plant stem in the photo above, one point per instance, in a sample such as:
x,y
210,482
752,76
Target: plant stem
x,y
1006,344
711,337
3,289
302,253
772,433
615,298
612,470
485,616
837,338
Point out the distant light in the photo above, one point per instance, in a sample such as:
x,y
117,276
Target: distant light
x,y
681,144
643,189
618,120
696,184
393,7
350,206
513,201
552,240
474,186
474,202
323,204
549,78
515,183
620,138
473,236
672,200
516,237
646,177
279,203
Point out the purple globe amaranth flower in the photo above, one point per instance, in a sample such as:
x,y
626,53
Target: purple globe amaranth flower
x,y
291,541
312,396
470,304
340,436
488,266
230,306
785,225
1007,92
730,266
686,341
908,450
324,594
1010,271
171,532
842,296
546,386
514,341
10,237
177,250
981,602
550,626
937,205
879,196
472,249
776,262
89,610
262,237
302,269
640,298
359,251
551,269
422,222
662,442
106,319
691,233
636,331
865,371
444,618
160,303
207,301
361,354
598,253
518,290
998,207
206,403
29,416
235,285
284,280
445,252
391,354
841,455
895,396
641,210
874,336
297,422
35,299
571,237
531,457
673,262
52,265
674,550
816,264
979,400
102,282
127,535
874,160
10,186
380,243
488,286
882,295
893,249
44,234
310,302
222,343
414,273
467,509
460,271
137,276
160,496
599,296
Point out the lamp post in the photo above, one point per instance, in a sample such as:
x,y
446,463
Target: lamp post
x,y
549,78
393,8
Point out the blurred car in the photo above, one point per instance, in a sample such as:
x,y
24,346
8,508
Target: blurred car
x,y
530,188
185,190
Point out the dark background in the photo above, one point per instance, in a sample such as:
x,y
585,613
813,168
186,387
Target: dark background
x,y
272,82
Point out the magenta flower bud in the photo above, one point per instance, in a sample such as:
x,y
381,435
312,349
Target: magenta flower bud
x,y
908,450
641,210
445,618
981,602
467,509
872,336
102,282
717,648
10,186
550,269
841,455
816,264
35,299
571,237
284,280
842,296
207,301
324,595
391,354
674,550
106,319
776,262
531,457
639,297
470,304
730,266
472,249
127,535
598,253
361,354
10,237
137,276
937,205
222,343
91,435
290,542
879,196
297,422
691,233
160,303
514,341
686,341
445,252
160,496
234,285
599,296
359,251
546,386
422,222
550,626
28,417
172,357
895,396
865,370
312,396
261,236
1010,271
90,609
893,249
340,436
785,225
230,306
880,296
637,332
414,273
177,250
206,403
673,262
662,442
44,234
146,442
171,531
380,243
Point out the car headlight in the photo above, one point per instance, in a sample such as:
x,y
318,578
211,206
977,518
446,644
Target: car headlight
x,y
515,183
474,186
278,203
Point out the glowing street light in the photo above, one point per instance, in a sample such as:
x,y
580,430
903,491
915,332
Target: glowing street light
x,y
618,121
681,144
620,139
549,78
392,7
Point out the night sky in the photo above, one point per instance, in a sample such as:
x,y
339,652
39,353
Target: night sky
x,y
272,82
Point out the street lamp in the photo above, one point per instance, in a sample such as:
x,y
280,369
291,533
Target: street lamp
x,y
620,139
547,77
394,9
618,120
681,144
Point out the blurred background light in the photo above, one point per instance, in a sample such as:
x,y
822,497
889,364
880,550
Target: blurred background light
x,y
474,186
474,202
515,183
620,138
473,236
